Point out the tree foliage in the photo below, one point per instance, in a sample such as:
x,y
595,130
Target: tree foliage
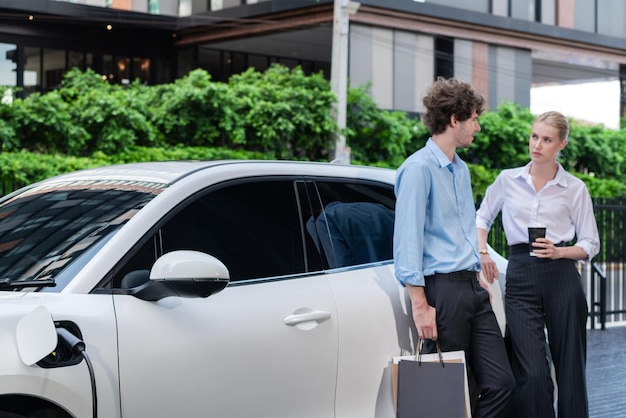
x,y
284,112
376,137
193,111
503,138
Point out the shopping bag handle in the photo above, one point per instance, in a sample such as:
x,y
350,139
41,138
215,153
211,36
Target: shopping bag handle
x,y
418,352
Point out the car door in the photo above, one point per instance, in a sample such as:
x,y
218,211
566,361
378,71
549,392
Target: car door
x,y
357,222
266,346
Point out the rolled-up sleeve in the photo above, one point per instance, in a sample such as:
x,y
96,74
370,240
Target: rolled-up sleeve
x,y
490,206
586,228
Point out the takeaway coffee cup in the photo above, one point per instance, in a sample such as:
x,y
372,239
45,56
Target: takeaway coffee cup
x,y
534,232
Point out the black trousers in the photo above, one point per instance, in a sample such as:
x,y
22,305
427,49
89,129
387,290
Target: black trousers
x,y
465,321
546,295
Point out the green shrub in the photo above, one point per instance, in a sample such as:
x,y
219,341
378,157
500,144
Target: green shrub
x,y
276,114
375,137
285,113
193,111
503,138
44,123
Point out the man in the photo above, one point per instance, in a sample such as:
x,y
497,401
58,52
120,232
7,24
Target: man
x,y
436,247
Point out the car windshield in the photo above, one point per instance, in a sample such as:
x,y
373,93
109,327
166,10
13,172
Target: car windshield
x,y
48,230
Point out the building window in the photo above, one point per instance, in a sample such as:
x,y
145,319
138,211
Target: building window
x,y
122,70
524,9
32,70
76,59
585,15
8,65
537,10
611,18
225,4
444,57
546,11
475,5
53,68
258,62
153,7
141,69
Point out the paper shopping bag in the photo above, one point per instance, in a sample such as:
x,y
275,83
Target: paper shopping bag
x,y
430,390
419,385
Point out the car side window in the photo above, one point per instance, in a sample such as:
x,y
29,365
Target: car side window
x,y
354,224
253,227
274,227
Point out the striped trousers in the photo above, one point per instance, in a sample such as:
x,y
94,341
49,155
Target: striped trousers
x,y
546,294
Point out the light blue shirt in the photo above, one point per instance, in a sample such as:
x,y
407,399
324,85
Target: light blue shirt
x,y
564,206
435,224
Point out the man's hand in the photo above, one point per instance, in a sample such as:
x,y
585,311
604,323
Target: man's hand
x,y
424,315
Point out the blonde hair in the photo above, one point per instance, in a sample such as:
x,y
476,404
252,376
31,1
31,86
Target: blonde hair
x,y
556,120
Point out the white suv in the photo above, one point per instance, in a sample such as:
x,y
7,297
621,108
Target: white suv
x,y
201,289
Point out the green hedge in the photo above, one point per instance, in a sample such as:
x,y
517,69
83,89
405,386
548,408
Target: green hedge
x,y
276,114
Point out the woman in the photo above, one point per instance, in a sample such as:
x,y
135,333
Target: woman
x,y
543,291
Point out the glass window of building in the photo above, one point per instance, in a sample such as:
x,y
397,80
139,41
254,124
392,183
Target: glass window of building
x,y
141,69
153,7
239,63
211,61
160,71
258,62
122,70
547,11
107,67
8,65
611,14
185,61
444,57
53,69
79,59
224,4
32,70
524,9
474,5
585,15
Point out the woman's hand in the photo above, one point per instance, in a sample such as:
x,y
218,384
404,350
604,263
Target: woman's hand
x,y
544,248
490,270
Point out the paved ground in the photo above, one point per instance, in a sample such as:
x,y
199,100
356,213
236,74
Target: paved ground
x,y
606,372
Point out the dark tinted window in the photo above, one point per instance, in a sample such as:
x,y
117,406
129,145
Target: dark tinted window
x,y
355,225
254,228
275,227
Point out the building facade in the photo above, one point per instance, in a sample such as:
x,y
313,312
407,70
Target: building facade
x,y
396,47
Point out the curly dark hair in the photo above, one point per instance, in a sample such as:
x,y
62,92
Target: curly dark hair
x,y
447,97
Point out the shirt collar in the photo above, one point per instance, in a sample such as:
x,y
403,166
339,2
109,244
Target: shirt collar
x,y
560,178
441,158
